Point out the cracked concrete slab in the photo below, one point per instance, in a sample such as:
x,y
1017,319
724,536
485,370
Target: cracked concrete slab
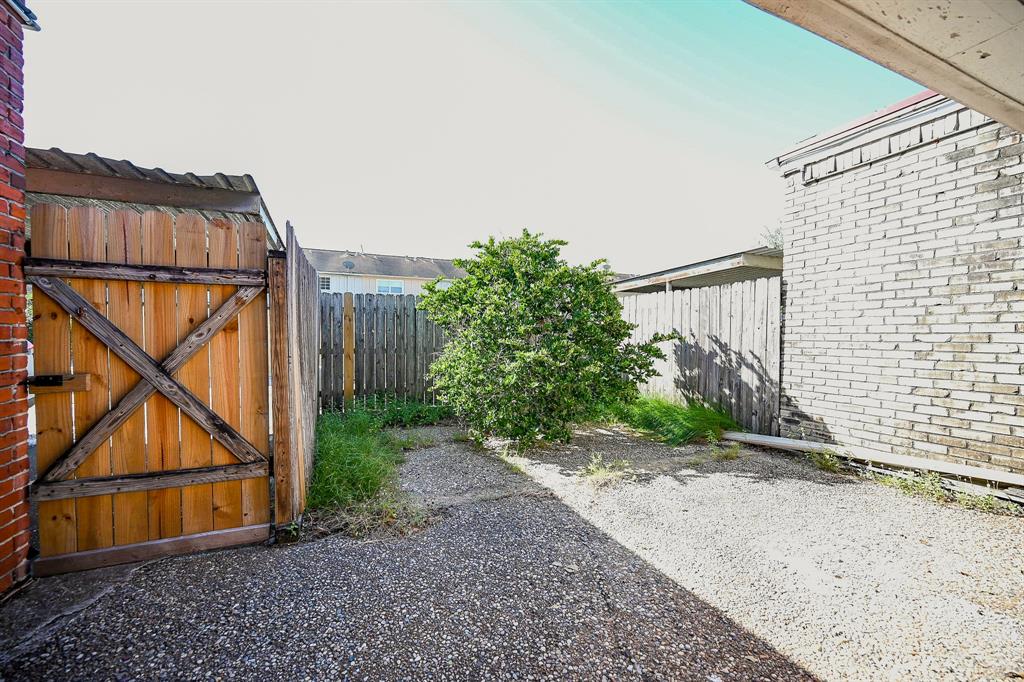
x,y
43,606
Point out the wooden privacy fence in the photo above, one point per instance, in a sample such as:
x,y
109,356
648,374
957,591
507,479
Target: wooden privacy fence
x,y
295,349
729,354
375,345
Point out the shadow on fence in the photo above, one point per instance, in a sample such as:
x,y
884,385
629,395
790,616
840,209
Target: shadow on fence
x,y
729,354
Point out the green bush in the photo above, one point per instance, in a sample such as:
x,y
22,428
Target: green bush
x,y
674,423
533,343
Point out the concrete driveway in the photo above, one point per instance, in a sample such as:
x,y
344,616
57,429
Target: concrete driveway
x,y
758,567
507,583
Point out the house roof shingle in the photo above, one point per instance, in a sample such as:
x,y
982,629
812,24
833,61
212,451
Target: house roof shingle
x,y
356,263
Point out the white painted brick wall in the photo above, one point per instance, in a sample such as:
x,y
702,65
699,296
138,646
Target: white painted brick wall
x,y
904,294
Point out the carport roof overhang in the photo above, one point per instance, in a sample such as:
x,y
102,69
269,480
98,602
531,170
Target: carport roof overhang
x,y
969,50
735,267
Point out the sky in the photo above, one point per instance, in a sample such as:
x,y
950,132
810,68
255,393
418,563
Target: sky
x,y
638,132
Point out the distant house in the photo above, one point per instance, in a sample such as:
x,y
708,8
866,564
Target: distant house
x,y
734,267
372,273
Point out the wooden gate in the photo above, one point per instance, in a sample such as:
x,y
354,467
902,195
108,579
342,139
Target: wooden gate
x,y
151,362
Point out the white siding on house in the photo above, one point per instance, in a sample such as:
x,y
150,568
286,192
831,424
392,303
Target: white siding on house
x,y
367,284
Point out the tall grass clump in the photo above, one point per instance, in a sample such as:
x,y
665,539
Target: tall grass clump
x,y
355,459
674,423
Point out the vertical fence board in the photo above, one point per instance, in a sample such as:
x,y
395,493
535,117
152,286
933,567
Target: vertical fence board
x,y
87,227
349,344
381,365
419,352
196,448
326,367
128,443
254,374
390,375
161,337
342,380
694,326
685,343
284,475
360,346
773,355
400,347
225,398
57,527
714,345
735,335
667,327
722,348
410,341
760,359
373,345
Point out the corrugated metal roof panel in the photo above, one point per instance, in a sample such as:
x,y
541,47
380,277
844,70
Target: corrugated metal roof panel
x,y
94,164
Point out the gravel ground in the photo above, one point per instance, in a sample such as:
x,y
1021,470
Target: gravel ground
x,y
508,583
847,578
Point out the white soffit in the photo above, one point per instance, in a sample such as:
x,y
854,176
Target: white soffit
x,y
969,50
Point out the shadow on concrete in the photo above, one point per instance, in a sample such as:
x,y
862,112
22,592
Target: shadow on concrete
x,y
513,586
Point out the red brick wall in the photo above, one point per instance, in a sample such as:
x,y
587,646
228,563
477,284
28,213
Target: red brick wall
x,y
14,471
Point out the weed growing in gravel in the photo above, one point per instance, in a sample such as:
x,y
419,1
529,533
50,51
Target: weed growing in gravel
x,y
601,473
987,503
697,460
389,514
505,457
673,423
826,461
412,440
726,454
512,466
353,487
929,486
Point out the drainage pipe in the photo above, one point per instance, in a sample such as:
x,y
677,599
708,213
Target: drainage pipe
x,y
1001,478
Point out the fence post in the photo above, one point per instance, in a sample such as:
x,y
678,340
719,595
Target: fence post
x,y
350,348
284,458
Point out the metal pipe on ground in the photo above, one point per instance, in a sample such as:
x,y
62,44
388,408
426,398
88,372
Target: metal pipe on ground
x,y
1011,485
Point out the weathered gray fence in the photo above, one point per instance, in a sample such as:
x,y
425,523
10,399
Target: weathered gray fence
x,y
375,345
729,354
302,343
